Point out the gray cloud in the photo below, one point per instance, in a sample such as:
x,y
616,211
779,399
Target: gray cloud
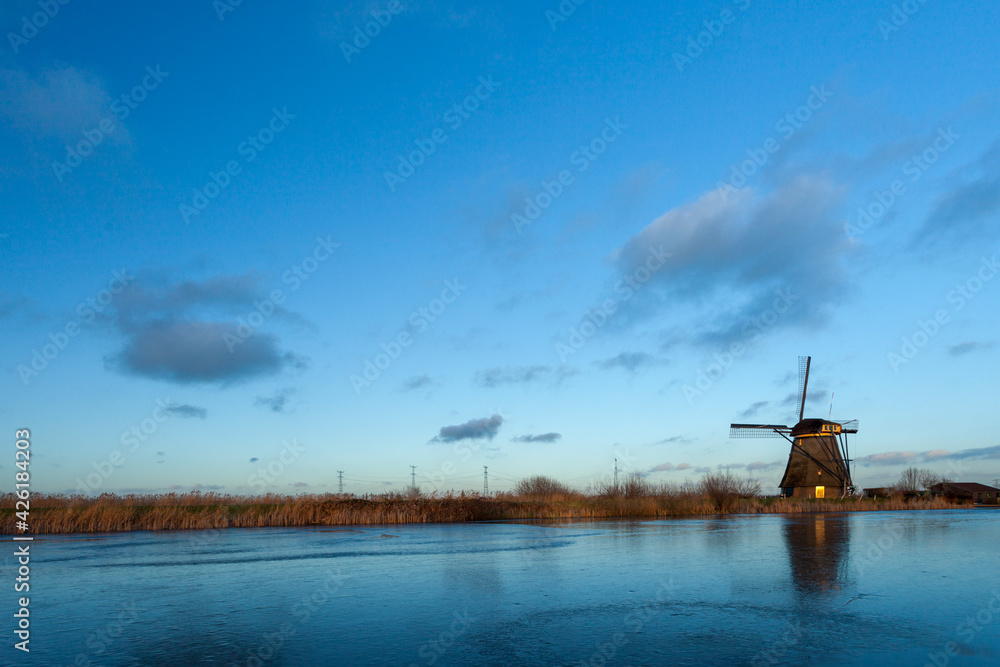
x,y
962,213
495,377
254,459
18,307
970,346
193,352
760,465
192,332
58,103
899,458
812,396
474,429
186,411
754,409
544,437
663,467
148,298
633,362
889,458
734,251
416,382
979,453
276,403
676,439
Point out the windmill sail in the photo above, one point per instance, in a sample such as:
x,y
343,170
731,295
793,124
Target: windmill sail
x,y
740,431
804,363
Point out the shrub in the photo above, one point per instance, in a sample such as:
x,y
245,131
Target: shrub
x,y
540,487
725,488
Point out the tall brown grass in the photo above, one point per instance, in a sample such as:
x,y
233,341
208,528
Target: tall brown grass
x,y
635,497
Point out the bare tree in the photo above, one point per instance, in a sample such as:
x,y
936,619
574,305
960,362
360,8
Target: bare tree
x,y
914,480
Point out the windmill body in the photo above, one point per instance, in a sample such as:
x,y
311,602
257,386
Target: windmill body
x,y
818,463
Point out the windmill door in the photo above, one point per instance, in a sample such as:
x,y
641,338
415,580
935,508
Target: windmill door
x,y
821,492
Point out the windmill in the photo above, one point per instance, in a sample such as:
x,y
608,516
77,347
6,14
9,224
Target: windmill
x,y
818,465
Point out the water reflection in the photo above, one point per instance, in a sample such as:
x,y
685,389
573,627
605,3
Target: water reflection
x,y
817,553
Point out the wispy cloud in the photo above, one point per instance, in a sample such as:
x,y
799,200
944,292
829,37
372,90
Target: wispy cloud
x,y
544,437
734,249
906,457
186,411
496,377
416,382
57,103
632,362
277,402
966,210
754,409
675,440
761,465
970,346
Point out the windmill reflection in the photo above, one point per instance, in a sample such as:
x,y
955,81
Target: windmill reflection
x,y
817,553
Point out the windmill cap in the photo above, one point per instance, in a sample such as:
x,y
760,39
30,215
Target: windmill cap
x,y
807,426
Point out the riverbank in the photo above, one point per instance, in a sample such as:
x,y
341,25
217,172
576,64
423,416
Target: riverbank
x,y
57,514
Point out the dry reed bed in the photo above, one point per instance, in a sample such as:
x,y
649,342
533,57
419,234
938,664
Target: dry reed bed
x,y
195,511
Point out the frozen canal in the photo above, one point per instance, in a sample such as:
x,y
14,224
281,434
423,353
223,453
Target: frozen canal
x,y
908,588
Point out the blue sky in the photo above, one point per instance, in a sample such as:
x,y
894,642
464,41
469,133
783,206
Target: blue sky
x,y
554,226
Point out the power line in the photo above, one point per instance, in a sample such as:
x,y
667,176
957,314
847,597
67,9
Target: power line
x,y
340,480
413,476
486,481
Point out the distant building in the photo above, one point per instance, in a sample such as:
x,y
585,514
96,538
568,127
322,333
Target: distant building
x,y
972,491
